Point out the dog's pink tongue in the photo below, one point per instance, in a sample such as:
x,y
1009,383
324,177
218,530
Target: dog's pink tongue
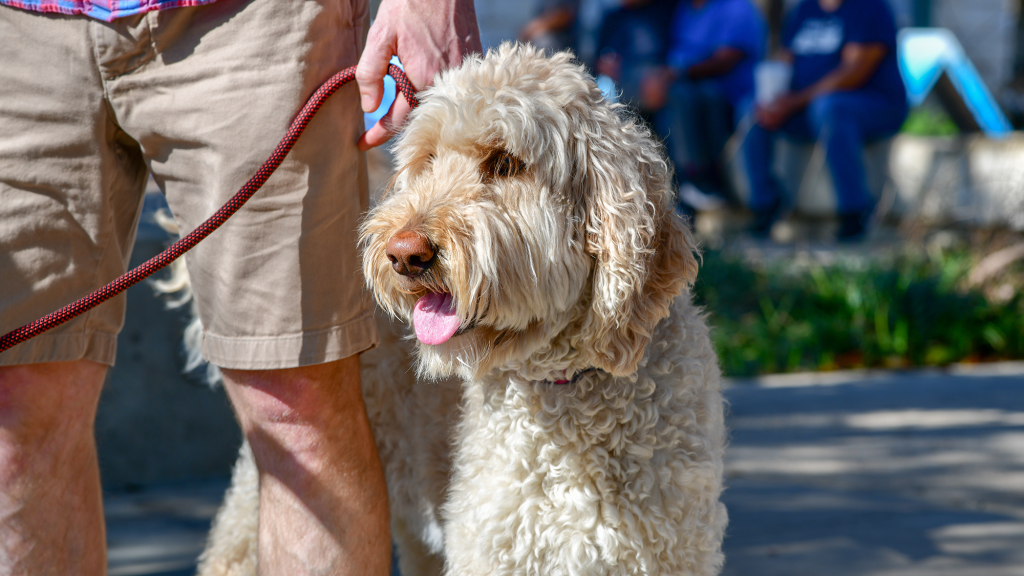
x,y
434,318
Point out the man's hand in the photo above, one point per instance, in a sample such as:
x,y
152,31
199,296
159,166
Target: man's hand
x,y
774,114
654,88
427,36
550,21
858,63
610,64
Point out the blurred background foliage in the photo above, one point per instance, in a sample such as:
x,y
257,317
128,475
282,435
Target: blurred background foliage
x,y
929,121
915,307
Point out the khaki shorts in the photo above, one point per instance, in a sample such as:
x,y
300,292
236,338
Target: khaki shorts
x,y
200,96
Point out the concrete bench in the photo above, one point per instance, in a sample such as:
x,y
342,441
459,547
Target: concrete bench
x,y
803,174
966,180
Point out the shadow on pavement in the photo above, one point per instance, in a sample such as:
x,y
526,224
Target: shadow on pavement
x,y
889,474
898,473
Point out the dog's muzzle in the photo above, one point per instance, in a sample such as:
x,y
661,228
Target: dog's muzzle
x,y
410,253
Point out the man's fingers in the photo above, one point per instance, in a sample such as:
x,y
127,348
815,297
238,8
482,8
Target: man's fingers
x,y
375,136
373,65
399,110
384,129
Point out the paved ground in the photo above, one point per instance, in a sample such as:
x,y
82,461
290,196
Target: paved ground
x,y
881,474
874,473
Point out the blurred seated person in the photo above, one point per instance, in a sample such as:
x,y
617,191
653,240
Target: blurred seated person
x,y
845,91
706,86
632,45
554,27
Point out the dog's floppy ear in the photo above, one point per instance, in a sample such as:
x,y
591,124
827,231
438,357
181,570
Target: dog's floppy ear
x,y
643,251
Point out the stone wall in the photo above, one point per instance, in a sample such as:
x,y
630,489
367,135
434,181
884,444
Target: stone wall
x,y
969,180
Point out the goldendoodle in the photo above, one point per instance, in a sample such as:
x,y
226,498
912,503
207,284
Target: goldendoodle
x,y
558,410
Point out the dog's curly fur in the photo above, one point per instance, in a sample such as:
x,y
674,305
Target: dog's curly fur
x,y
551,213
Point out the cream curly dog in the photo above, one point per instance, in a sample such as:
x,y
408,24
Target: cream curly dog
x,y
558,411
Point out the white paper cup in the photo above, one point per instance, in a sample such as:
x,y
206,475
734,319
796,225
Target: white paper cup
x,y
771,79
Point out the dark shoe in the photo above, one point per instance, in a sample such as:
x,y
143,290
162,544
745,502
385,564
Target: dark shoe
x,y
761,227
853,227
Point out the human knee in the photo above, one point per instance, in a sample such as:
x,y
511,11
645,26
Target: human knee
x,y
49,400
831,111
310,396
757,143
304,421
691,93
684,92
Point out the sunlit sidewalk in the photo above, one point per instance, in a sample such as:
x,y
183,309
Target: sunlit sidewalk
x,y
160,530
852,473
871,473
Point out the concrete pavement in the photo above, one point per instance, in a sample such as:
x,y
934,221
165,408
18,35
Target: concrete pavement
x,y
855,473
160,530
882,473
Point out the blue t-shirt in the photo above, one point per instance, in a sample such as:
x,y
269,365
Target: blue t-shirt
x,y
816,39
639,36
698,32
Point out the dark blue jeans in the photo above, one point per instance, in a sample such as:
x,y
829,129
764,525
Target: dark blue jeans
x,y
842,122
696,122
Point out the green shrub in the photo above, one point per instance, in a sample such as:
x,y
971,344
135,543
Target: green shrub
x,y
927,121
907,311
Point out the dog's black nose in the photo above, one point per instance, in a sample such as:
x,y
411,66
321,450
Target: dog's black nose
x,y
410,253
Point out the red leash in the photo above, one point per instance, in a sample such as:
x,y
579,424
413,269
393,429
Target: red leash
x,y
185,244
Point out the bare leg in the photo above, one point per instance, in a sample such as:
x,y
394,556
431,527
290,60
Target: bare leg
x,y
323,501
51,505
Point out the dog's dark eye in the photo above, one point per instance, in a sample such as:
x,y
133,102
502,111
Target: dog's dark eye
x,y
502,164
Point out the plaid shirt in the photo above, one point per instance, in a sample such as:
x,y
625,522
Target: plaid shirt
x,y
106,10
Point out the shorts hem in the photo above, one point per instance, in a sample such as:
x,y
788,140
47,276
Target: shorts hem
x,y
98,347
292,351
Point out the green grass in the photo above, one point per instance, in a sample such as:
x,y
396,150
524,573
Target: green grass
x,y
926,121
909,310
